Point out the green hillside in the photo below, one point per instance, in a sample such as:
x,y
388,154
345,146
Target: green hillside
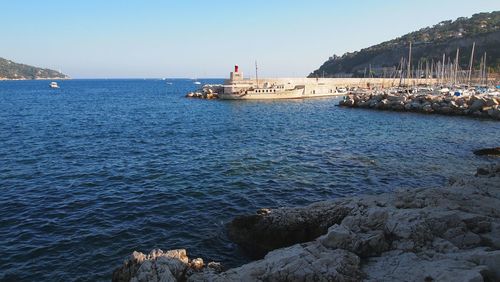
x,y
12,70
429,44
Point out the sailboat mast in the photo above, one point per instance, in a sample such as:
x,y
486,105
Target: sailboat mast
x,y
427,71
456,68
256,74
471,62
432,73
409,65
485,71
481,70
442,70
401,72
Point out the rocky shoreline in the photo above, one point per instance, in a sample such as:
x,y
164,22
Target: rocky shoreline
x,y
449,233
481,105
38,78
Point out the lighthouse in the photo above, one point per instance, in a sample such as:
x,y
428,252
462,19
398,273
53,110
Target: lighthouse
x,y
236,74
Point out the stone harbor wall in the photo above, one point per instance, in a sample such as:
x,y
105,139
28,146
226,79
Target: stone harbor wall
x,y
344,82
449,233
475,105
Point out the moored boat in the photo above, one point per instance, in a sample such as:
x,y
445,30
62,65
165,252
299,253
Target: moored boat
x,y
275,92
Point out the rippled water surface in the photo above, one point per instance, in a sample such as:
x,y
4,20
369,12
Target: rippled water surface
x,y
99,168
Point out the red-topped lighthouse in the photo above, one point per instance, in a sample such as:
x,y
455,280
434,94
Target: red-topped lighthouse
x,y
236,74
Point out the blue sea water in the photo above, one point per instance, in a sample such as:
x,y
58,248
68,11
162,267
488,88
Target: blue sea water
x,y
99,168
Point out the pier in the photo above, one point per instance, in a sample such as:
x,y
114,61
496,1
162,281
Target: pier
x,y
238,85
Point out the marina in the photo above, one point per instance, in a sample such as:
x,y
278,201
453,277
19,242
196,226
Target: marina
x,y
239,88
432,82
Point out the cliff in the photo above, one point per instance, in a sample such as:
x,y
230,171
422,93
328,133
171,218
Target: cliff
x,y
429,44
12,70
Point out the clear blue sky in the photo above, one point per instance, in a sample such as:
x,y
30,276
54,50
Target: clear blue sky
x,y
200,38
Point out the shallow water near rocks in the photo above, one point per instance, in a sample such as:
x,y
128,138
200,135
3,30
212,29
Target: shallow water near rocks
x,y
99,168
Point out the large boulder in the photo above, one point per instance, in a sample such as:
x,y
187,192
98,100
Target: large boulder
x,y
363,244
477,105
397,106
260,233
372,103
416,106
169,266
301,262
488,152
350,102
491,102
427,108
408,266
494,112
156,266
396,98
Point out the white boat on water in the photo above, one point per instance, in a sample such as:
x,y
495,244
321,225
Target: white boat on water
x,y
53,84
197,82
275,92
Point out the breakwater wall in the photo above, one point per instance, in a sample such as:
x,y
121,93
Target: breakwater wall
x,y
322,85
348,82
475,105
311,85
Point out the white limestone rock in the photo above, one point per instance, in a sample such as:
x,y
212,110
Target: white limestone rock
x,y
427,234
301,262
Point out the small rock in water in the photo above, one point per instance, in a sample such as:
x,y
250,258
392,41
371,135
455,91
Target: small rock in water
x,y
216,266
488,152
263,211
197,264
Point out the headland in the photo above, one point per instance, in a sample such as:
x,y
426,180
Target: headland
x,y
10,70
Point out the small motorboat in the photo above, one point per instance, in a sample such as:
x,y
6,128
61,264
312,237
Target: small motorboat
x,y
197,82
53,84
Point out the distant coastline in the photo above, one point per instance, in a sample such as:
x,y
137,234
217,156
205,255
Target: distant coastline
x,y
40,78
10,70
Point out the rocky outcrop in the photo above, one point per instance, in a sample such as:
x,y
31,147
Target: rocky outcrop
x,y
172,265
488,152
301,262
272,229
207,92
427,234
474,105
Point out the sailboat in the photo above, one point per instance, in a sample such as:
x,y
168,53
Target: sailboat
x,y
195,81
